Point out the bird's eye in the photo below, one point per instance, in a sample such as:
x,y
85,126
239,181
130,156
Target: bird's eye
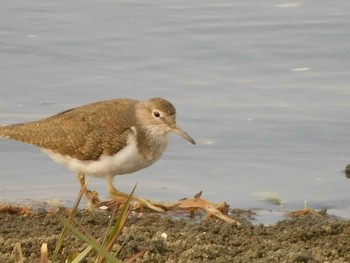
x,y
156,114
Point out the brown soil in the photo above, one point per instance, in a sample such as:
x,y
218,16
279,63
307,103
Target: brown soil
x,y
307,237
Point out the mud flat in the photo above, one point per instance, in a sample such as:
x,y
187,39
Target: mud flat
x,y
307,237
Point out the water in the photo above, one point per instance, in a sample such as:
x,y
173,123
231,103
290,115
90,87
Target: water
x,y
261,85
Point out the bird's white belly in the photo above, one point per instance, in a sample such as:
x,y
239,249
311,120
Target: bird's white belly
x,y
125,161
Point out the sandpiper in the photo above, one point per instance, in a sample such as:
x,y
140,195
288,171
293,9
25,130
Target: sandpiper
x,y
104,139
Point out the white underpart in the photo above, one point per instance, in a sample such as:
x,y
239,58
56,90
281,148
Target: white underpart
x,y
125,161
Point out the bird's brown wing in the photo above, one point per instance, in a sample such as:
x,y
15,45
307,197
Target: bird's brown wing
x,y
84,132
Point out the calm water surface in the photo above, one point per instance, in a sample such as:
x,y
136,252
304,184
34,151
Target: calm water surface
x,y
263,86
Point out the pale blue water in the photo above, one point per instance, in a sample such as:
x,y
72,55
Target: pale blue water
x,y
261,85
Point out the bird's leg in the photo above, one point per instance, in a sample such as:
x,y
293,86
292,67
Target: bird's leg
x,y
156,206
90,196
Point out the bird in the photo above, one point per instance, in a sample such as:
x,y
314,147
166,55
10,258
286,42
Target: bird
x,y
104,139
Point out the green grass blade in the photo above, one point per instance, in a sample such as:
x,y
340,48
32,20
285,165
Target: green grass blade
x,y
118,226
71,215
112,234
113,216
83,254
96,246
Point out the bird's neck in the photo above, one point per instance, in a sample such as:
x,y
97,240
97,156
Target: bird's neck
x,y
152,142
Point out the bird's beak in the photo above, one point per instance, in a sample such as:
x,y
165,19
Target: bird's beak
x,y
183,134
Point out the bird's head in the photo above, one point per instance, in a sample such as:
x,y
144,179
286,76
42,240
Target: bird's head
x,y
158,116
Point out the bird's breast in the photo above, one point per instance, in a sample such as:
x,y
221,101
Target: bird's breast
x,y
128,160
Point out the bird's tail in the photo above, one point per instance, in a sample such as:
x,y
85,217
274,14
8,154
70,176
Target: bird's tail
x,y
15,132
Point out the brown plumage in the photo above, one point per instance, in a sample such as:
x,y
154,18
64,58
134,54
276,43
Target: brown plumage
x,y
105,138
83,133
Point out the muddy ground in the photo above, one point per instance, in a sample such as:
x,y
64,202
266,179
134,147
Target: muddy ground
x,y
166,238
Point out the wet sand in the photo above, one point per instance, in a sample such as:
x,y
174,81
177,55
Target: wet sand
x,y
308,237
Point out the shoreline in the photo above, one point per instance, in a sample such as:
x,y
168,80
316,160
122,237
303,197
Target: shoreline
x,y
305,237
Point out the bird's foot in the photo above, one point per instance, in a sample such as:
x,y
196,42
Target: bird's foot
x,y
139,202
92,199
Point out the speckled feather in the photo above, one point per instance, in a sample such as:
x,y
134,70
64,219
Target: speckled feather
x,y
84,133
